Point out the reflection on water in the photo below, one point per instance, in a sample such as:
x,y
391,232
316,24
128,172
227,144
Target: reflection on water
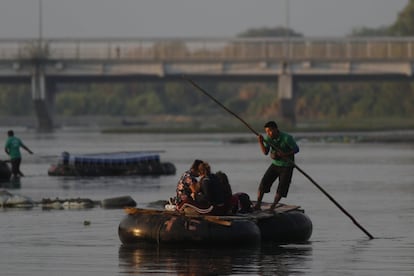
x,y
268,259
13,183
107,182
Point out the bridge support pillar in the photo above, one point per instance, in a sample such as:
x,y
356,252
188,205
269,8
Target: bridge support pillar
x,y
43,100
286,95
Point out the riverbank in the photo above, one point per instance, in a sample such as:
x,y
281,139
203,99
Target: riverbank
x,y
388,130
386,136
400,136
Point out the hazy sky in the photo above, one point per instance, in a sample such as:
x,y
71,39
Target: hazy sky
x,y
190,18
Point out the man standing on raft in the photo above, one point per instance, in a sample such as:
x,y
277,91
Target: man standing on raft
x,y
12,148
282,148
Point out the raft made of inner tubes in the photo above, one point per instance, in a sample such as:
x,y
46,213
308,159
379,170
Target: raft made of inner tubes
x,y
118,202
111,164
286,224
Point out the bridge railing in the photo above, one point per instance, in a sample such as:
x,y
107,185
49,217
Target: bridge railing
x,y
210,49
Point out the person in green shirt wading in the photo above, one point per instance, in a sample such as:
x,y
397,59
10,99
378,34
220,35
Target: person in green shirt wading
x,y
12,148
282,148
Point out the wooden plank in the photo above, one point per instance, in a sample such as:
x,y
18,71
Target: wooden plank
x,y
264,213
280,208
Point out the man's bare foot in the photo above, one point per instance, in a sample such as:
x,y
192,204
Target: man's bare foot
x,y
273,206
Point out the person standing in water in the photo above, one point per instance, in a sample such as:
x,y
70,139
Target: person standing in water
x,y
282,148
12,148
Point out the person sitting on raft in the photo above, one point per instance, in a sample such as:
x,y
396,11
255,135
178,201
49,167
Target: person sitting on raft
x,y
208,196
213,195
212,191
187,179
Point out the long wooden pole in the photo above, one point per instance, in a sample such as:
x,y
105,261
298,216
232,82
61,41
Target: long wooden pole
x,y
293,163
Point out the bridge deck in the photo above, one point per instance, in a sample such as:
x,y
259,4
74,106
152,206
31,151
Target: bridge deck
x,y
204,49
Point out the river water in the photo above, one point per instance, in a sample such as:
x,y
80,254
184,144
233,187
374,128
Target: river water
x,y
374,182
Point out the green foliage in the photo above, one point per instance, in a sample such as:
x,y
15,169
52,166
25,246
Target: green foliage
x,y
375,32
404,26
318,101
15,100
357,100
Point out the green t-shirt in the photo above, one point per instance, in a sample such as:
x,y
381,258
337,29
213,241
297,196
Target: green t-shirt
x,y
13,145
284,143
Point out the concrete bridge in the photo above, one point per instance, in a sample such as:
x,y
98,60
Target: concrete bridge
x,y
46,62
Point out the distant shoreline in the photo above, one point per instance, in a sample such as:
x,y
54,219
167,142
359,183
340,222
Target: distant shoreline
x,y
385,130
240,136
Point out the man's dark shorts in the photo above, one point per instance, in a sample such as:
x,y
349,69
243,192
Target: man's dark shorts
x,y
15,164
273,172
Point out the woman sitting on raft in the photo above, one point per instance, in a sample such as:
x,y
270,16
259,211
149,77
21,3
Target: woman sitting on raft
x,y
208,196
213,191
212,195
